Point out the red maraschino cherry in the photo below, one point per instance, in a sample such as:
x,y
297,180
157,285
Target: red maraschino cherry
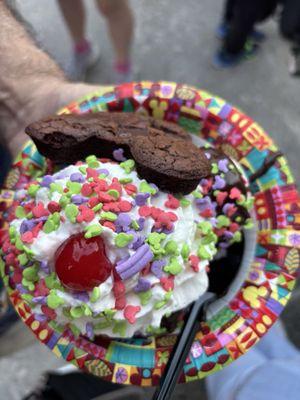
x,y
81,264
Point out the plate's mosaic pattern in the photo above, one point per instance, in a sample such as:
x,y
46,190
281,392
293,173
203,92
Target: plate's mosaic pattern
x,y
240,324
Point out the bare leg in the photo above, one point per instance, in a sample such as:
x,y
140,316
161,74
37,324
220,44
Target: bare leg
x,y
74,15
119,19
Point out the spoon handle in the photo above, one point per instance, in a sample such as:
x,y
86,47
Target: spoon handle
x,y
182,348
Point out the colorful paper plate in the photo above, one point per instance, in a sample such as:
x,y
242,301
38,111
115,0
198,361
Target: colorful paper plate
x,y
265,291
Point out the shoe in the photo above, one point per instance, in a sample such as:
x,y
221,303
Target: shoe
x,y
81,61
294,61
256,35
223,59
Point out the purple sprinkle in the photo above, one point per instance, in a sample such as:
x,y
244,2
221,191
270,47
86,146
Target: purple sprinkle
x,y
83,296
219,183
204,182
118,155
208,156
141,198
226,207
103,171
141,222
224,245
123,222
78,199
39,300
203,204
89,330
135,263
142,286
44,267
27,226
40,219
222,164
40,317
47,180
167,231
77,177
21,289
137,242
228,235
157,266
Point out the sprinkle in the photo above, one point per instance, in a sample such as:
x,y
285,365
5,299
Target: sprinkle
x,y
56,187
235,193
119,291
125,180
53,207
93,230
78,199
145,297
134,224
223,165
63,201
172,202
53,300
130,189
109,225
146,188
125,206
95,294
47,180
44,266
220,183
122,239
89,330
97,207
74,187
91,173
184,202
114,193
194,261
127,165
145,211
171,248
85,215
118,155
120,328
130,313
82,169
185,251
143,285
90,158
109,216
48,312
20,213
77,177
174,267
22,259
27,226
237,237
205,227
135,263
39,210
123,222
222,221
32,189
71,212
214,169
202,253
197,194
76,312
86,190
141,198
27,237
221,196
167,283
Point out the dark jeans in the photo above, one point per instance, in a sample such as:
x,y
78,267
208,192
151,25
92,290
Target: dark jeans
x,y
5,162
290,21
241,16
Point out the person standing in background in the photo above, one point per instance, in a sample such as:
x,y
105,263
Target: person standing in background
x,y
120,22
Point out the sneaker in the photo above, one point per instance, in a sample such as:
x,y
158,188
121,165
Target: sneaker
x,y
256,35
223,59
122,73
294,61
82,60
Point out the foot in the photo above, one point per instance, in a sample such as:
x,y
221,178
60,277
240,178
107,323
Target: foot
x,y
122,73
223,59
294,61
256,35
84,57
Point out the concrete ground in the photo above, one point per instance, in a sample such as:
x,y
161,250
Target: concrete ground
x,y
172,42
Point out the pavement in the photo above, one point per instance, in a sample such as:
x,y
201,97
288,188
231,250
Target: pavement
x,y
175,42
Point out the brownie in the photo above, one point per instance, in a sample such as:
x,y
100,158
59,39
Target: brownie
x,y
70,137
170,163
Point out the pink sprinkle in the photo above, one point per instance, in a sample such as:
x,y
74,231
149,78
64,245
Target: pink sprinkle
x,y
40,211
235,193
172,202
130,313
194,261
27,237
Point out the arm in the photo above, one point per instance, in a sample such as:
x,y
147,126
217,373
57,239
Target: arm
x,y
31,83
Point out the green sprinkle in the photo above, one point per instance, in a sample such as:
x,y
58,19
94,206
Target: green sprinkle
x,y
76,312
52,281
125,180
93,230
127,165
29,215
197,194
90,158
237,237
109,216
103,324
205,227
222,221
249,223
122,239
23,259
56,187
154,240
74,187
135,225
94,164
184,202
174,267
114,193
82,170
27,297
242,200
63,201
145,297
53,300
185,251
152,330
97,207
146,188
211,237
91,179
86,310
12,232
159,304
76,331
28,251
71,212
32,189
20,213
108,313
28,284
168,295
94,296
171,248
49,226
30,274
66,312
214,168
19,244
120,328
203,254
